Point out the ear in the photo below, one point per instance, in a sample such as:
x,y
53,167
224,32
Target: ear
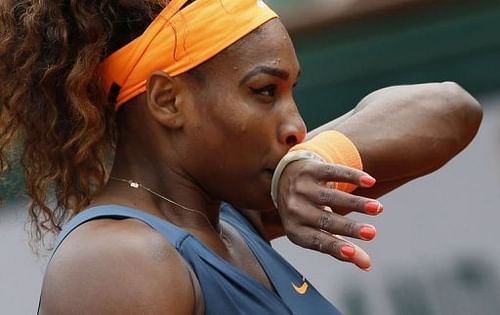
x,y
163,99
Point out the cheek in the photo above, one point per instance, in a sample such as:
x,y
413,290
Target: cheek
x,y
232,167
235,119
236,137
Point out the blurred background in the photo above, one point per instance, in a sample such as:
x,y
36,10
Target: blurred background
x,y
437,251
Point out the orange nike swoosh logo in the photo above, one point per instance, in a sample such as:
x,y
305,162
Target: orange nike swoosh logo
x,y
302,289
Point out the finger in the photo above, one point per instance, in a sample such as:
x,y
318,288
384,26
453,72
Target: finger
x,y
340,200
332,245
339,225
360,257
327,172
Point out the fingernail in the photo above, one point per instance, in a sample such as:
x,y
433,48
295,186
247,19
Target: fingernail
x,y
374,207
367,232
347,251
368,269
367,181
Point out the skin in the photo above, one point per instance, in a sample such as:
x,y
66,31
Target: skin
x,y
428,124
197,143
200,141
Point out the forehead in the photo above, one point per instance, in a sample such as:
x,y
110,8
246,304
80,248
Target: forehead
x,y
269,45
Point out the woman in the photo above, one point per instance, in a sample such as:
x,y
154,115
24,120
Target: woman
x,y
210,124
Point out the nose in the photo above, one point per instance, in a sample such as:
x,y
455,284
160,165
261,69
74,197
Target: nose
x,y
293,129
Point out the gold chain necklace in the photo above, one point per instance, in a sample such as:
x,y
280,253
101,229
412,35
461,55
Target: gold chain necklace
x,y
137,185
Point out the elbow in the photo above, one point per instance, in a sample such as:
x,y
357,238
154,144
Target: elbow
x,y
464,111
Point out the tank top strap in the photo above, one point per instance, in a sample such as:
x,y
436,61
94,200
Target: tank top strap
x,y
171,232
232,216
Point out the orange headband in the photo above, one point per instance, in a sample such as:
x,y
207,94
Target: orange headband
x,y
179,40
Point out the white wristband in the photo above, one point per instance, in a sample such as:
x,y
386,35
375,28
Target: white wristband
x,y
283,163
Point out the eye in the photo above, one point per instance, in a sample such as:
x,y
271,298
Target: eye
x,y
268,90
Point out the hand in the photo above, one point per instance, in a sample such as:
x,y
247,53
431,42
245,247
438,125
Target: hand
x,y
312,213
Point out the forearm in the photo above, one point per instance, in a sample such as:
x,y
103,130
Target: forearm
x,y
404,132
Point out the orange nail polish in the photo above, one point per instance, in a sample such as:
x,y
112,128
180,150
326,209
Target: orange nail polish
x,y
347,251
374,207
367,232
367,181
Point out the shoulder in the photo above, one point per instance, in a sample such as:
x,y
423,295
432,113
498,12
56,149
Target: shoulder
x,y
116,267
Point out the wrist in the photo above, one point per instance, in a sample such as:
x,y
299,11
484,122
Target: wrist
x,y
334,148
290,157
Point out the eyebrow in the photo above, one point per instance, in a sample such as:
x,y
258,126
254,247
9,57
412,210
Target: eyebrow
x,y
276,72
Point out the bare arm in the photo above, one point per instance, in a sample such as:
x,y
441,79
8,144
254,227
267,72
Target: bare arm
x,y
124,268
401,132
404,132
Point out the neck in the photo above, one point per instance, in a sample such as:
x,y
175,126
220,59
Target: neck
x,y
162,190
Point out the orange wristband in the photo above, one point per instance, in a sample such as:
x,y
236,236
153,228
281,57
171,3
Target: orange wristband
x,y
334,148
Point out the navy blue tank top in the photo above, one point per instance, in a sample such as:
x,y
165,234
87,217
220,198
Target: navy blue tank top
x,y
226,289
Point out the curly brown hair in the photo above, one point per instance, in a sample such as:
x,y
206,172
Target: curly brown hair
x,y
51,100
